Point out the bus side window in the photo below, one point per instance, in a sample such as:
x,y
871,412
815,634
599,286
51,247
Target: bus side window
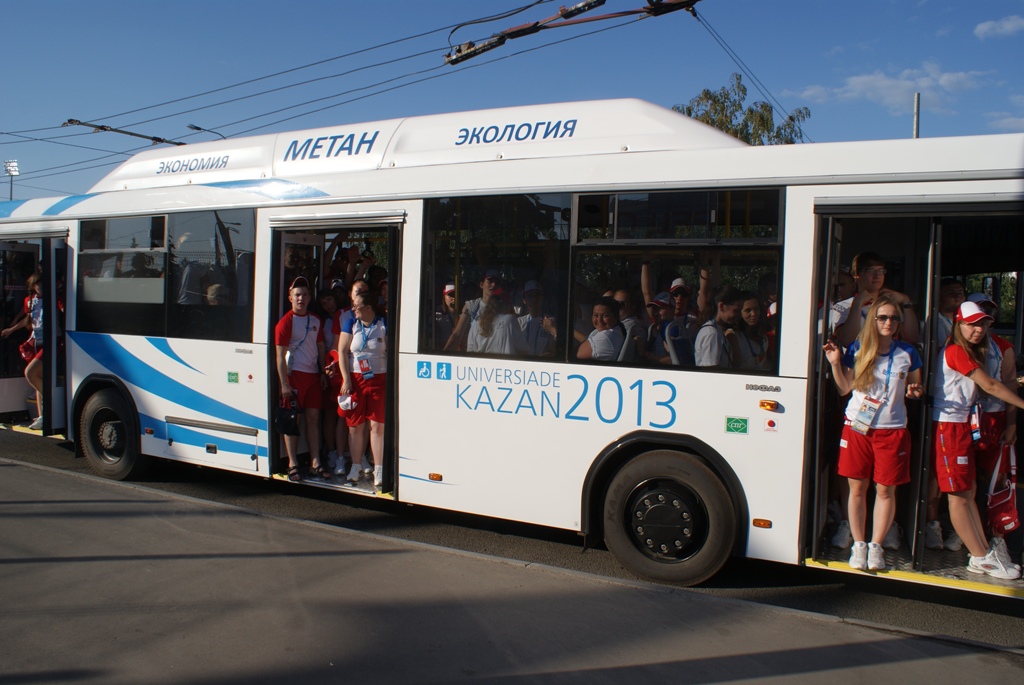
x,y
496,277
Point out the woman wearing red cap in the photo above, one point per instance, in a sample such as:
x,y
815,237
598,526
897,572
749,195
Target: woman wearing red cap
x,y
956,414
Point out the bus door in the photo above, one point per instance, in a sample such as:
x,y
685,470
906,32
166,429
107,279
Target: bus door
x,y
55,400
299,249
905,239
18,261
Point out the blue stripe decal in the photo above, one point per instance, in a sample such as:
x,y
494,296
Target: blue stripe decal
x,y
67,203
423,480
194,438
8,208
117,360
165,347
275,189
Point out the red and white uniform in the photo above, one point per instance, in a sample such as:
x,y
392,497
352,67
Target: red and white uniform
x,y
300,334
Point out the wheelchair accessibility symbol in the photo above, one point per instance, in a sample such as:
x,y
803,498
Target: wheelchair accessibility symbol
x,y
444,370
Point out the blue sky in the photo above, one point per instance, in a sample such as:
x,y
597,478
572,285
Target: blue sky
x,y
855,65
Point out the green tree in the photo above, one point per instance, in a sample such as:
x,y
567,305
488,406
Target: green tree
x,y
755,124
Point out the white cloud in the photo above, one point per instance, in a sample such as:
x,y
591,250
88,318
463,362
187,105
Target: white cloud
x,y
1007,123
1007,26
896,91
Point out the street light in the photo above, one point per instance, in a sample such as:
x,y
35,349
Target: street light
x,y
11,169
206,130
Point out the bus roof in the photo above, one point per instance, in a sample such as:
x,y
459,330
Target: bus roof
x,y
590,146
530,132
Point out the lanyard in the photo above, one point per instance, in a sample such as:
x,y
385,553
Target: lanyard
x,y
888,370
363,329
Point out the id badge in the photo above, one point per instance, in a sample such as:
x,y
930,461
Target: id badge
x,y
866,415
976,423
364,366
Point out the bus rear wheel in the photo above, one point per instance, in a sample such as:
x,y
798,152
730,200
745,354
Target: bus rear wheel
x,y
110,438
668,517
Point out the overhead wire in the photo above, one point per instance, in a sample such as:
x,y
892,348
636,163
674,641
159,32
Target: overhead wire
x,y
495,17
447,72
56,140
761,88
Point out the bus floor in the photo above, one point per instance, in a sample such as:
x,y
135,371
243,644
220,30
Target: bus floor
x,y
940,567
363,487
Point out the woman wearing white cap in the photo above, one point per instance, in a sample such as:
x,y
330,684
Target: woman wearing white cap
x,y
998,421
956,415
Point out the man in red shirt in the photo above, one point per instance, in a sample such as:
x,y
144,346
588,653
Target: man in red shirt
x,y
299,338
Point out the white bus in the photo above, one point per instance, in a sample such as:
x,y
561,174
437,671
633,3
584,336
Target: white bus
x,y
675,467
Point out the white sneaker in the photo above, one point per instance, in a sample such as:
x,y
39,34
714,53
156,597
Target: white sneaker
x,y
367,467
354,474
36,425
933,535
378,476
991,565
953,543
892,538
998,545
876,557
843,537
339,468
859,556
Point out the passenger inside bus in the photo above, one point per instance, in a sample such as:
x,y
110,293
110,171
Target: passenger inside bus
x,y
445,317
472,309
301,356
869,274
998,420
960,374
880,371
32,349
496,330
606,341
749,339
362,348
538,329
711,347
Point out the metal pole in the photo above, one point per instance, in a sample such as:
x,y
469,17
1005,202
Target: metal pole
x,y
917,114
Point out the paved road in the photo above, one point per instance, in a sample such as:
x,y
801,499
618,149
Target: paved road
x,y
961,615
104,582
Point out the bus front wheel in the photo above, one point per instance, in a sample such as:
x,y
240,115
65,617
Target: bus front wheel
x,y
668,517
109,436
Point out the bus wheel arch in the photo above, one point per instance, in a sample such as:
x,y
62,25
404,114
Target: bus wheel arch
x,y
671,510
108,434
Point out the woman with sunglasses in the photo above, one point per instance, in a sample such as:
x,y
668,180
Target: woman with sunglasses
x,y
958,423
881,372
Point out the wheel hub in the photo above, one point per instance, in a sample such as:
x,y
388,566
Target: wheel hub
x,y
109,435
663,524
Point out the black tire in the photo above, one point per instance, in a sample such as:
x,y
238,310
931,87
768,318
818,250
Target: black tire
x,y
109,436
668,517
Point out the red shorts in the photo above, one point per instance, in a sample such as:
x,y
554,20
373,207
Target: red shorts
x,y
883,455
954,456
370,400
307,389
39,354
988,449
